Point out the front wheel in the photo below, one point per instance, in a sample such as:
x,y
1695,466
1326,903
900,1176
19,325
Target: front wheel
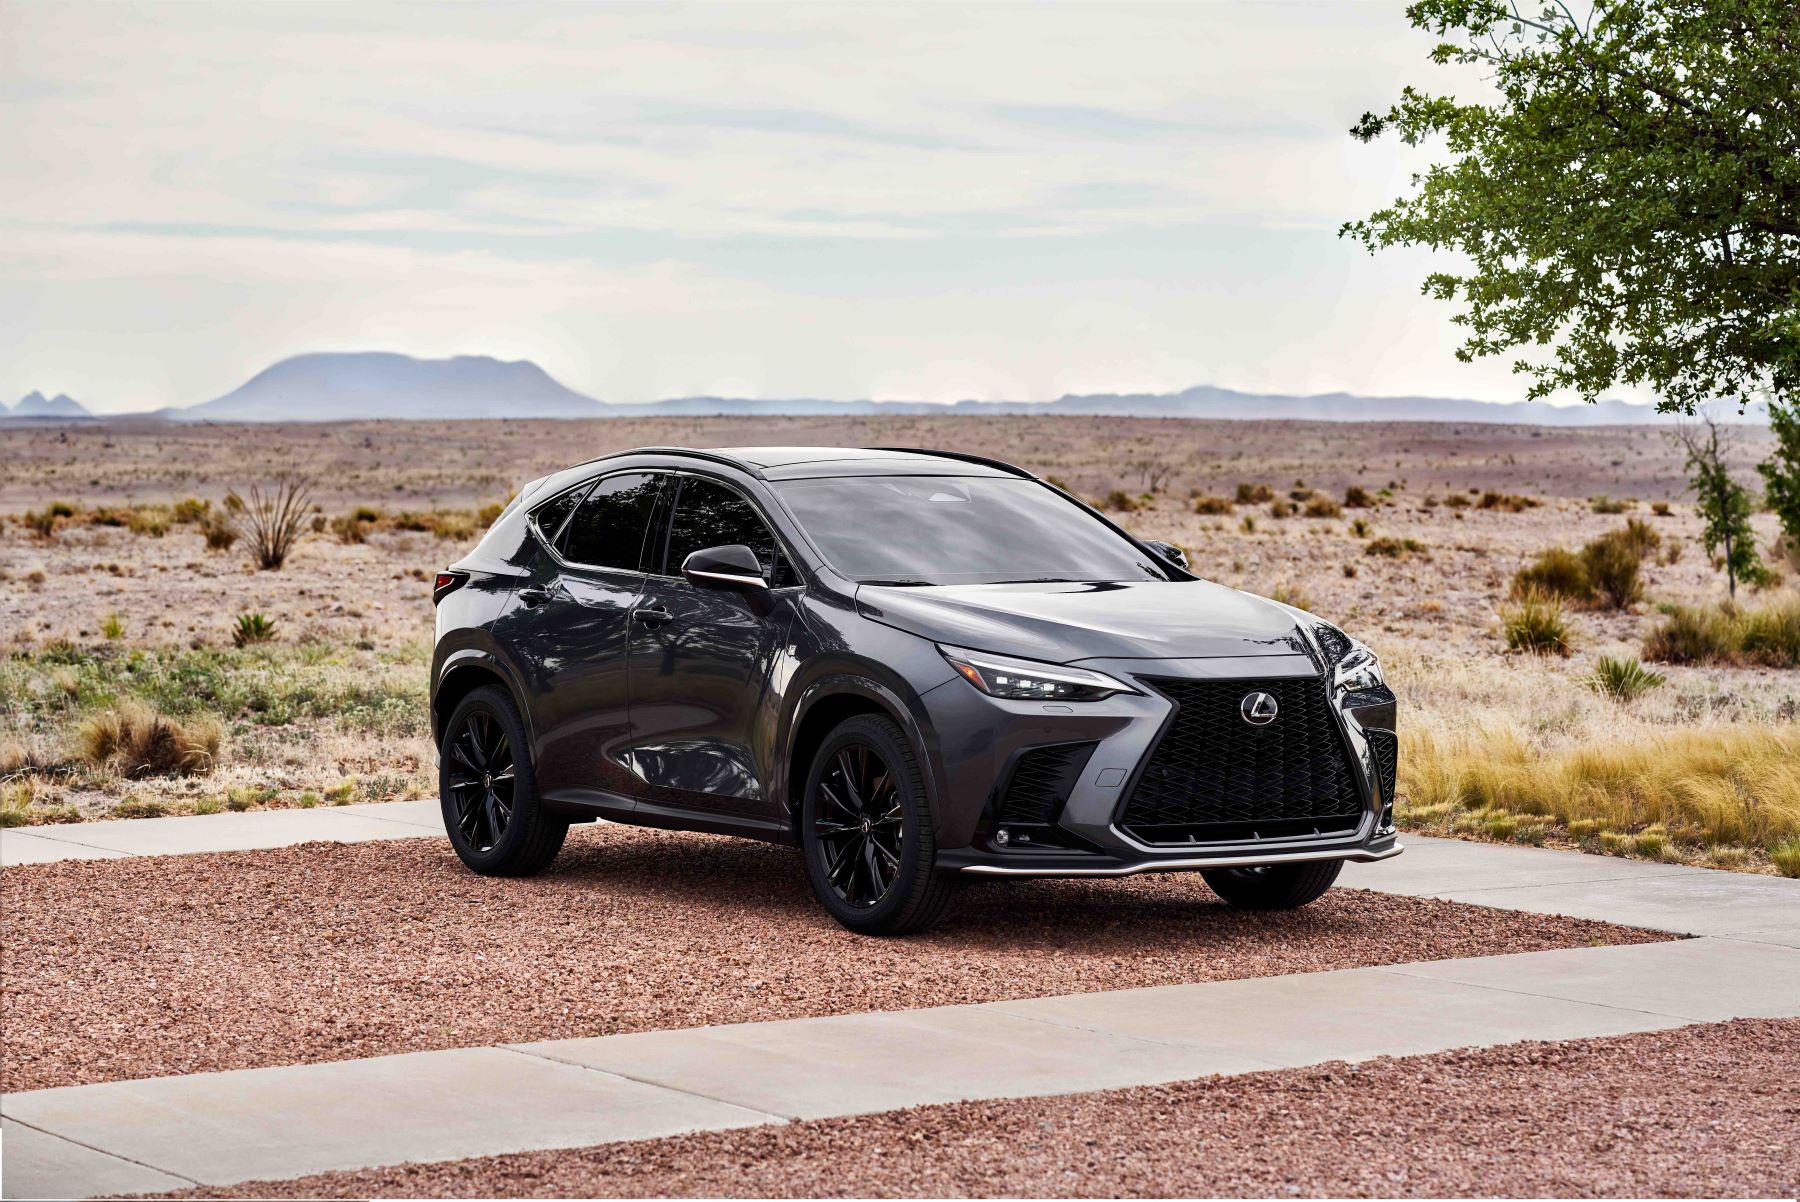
x,y
866,832
488,792
1273,886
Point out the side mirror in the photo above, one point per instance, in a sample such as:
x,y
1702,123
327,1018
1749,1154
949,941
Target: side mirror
x,y
732,568
1168,551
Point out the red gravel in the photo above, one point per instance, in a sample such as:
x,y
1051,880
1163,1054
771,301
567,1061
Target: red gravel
x,y
120,969
1700,1111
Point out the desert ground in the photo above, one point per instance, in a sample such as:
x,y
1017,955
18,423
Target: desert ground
x,y
119,605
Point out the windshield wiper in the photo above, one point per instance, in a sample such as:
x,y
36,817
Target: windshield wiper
x,y
1044,580
898,582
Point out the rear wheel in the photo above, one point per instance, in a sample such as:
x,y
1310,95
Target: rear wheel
x,y
1273,886
489,795
866,832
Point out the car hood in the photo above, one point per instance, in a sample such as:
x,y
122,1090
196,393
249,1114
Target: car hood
x,y
1068,621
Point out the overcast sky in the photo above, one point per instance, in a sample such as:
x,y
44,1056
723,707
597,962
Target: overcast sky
x,y
930,201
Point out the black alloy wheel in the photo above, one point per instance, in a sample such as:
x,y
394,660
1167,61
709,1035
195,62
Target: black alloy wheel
x,y
859,825
481,779
488,792
865,829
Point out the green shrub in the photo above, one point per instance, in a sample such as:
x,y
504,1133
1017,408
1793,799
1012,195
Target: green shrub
x,y
1558,572
1785,855
1724,634
113,627
1536,624
252,628
1623,679
1612,566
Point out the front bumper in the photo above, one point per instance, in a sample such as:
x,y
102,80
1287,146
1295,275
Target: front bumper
x,y
981,738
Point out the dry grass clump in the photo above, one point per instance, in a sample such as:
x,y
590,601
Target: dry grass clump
x,y
1358,497
1292,594
1209,504
134,740
1120,501
1737,786
1321,506
1605,572
1397,548
1254,494
1768,636
1606,504
1507,502
1536,624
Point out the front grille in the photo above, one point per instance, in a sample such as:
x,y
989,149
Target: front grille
x,y
1213,778
1386,750
1040,782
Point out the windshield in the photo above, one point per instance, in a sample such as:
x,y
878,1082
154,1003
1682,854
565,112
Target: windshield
x,y
959,530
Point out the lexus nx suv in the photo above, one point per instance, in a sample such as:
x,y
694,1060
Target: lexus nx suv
x,y
916,666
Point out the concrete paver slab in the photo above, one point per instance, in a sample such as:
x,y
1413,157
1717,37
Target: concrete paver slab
x,y
1352,1015
425,812
1431,866
35,1164
194,833
220,1128
864,1063
1699,980
28,847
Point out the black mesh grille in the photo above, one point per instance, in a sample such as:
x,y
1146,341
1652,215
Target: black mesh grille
x,y
1040,783
1387,760
1212,777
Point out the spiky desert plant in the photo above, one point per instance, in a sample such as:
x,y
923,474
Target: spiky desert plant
x,y
271,520
252,628
1623,679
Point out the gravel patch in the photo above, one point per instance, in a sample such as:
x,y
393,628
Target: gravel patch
x,y
113,970
1700,1111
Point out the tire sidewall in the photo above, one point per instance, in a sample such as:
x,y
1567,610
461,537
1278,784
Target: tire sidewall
x,y
884,737
499,706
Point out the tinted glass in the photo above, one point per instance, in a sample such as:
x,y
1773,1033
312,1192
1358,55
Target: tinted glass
x,y
959,530
608,530
549,516
711,515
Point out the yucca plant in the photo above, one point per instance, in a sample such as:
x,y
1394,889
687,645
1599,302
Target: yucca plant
x,y
271,521
1623,679
252,628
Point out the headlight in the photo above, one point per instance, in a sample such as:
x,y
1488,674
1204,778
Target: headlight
x,y
1027,680
1359,670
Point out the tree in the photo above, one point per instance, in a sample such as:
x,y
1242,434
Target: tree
x,y
1629,203
1781,473
1721,502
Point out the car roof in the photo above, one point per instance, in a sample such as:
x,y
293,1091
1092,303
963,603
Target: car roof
x,y
794,463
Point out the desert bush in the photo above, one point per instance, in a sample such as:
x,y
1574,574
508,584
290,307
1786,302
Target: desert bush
x,y
252,628
1785,855
1120,501
112,627
1768,636
1606,504
189,510
1623,679
1360,528
1661,509
1536,624
271,521
351,527
219,531
150,520
1281,508
1396,548
1254,494
1557,572
135,740
1207,503
1320,506
1456,501
1612,566
488,514
46,521
1248,525
1300,495
454,525
1357,497
1291,594
1508,502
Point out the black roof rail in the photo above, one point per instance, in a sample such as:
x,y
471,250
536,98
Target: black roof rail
x,y
711,456
1011,469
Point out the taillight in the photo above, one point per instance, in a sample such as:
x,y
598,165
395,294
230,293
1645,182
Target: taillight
x,y
447,583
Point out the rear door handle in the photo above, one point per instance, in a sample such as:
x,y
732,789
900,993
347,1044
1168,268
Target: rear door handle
x,y
653,616
534,596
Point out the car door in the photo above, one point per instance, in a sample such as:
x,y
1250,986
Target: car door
x,y
577,611
699,662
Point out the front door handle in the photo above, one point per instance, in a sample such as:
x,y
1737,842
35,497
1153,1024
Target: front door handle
x,y
534,596
653,616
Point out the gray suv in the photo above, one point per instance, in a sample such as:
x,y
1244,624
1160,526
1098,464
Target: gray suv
x,y
915,666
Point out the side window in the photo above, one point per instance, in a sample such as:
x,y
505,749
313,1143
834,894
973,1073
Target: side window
x,y
711,515
608,530
552,513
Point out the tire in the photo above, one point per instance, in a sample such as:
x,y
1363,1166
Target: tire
x,y
876,877
1273,886
477,793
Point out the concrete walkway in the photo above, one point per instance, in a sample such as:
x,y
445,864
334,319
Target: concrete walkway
x,y
221,1128
196,833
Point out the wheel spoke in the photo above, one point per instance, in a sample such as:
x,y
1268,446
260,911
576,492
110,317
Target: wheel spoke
x,y
847,775
873,863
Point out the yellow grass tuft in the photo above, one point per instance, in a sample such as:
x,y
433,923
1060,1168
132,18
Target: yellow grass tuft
x,y
135,740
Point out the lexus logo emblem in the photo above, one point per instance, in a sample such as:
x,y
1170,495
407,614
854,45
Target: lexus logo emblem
x,y
1258,709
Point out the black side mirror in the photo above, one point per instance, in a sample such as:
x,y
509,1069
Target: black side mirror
x,y
732,568
1168,551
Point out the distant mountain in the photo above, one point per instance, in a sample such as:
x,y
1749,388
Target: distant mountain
x,y
364,385
36,405
370,385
